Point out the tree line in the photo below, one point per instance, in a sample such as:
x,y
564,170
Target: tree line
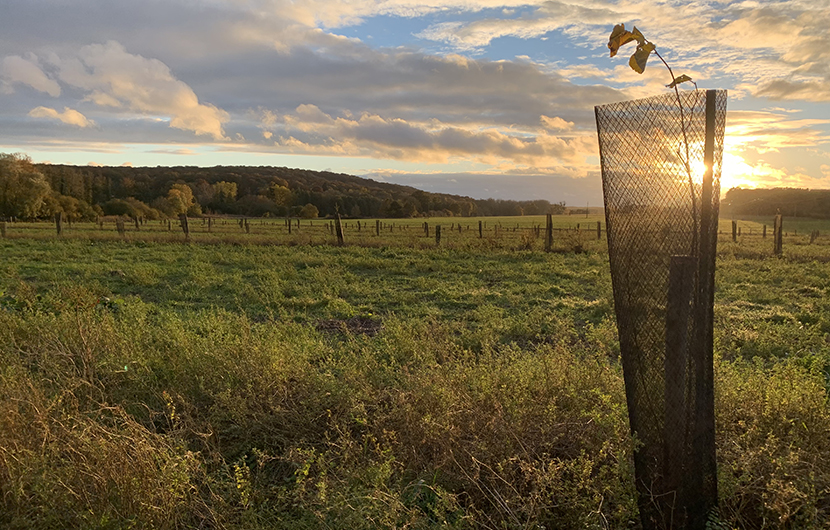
x,y
34,191
795,202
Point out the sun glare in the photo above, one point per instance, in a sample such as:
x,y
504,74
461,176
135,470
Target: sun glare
x,y
736,173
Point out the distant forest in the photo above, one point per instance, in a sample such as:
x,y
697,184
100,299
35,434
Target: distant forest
x,y
793,202
31,191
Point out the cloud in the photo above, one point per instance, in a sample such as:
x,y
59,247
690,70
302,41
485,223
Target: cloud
x,y
17,70
68,116
556,124
547,17
115,78
737,172
309,129
772,130
782,89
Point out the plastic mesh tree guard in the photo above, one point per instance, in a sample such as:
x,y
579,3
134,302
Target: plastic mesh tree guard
x,y
661,163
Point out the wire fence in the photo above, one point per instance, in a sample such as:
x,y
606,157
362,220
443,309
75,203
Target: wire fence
x,y
661,164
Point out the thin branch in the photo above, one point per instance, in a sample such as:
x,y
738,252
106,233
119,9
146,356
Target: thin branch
x,y
686,145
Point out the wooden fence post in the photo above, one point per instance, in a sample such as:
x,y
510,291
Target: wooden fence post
x,y
426,229
480,230
437,234
764,233
734,230
288,223
339,227
778,235
377,227
185,227
247,226
209,223
678,311
59,222
549,233
599,230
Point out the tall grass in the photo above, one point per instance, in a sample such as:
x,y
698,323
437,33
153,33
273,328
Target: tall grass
x,y
176,388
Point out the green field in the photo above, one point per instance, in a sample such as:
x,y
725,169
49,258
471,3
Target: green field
x,y
266,380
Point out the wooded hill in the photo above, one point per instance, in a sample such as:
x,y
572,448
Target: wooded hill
x,y
793,202
30,190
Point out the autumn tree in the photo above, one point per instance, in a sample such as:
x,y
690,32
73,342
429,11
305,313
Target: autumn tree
x,y
181,200
23,190
309,211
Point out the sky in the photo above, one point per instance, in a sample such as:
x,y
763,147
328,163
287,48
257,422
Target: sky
x,y
485,98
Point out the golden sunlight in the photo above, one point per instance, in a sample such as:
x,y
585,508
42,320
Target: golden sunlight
x,y
736,173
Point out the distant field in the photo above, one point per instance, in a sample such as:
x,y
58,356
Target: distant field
x,y
517,233
526,232
792,225
262,380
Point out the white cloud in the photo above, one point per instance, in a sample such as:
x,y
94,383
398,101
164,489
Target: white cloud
x,y
556,123
68,116
15,69
547,17
311,130
116,78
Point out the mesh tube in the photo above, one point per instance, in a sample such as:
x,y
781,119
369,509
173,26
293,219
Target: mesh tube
x,y
661,163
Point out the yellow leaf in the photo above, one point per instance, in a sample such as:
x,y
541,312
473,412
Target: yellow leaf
x,y
679,79
638,36
620,36
638,60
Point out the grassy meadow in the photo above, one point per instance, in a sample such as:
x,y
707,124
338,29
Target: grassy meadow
x,y
260,379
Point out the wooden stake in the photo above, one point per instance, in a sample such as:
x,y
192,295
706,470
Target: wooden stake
x,y
185,227
549,233
339,227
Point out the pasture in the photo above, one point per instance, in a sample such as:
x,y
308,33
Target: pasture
x,y
261,379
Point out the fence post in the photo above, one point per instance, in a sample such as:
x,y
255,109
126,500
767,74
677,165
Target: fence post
x,y
700,488
247,226
377,227
289,225
437,234
678,311
778,235
185,227
764,233
426,229
480,230
599,230
59,222
549,233
210,223
734,230
339,226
